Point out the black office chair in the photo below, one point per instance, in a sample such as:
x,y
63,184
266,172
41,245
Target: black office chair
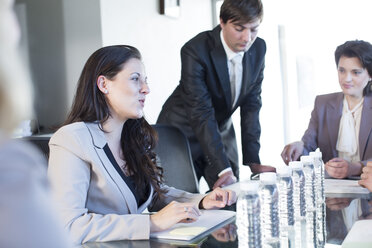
x,y
41,142
174,153
172,150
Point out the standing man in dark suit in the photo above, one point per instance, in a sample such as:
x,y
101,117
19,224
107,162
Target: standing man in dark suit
x,y
222,69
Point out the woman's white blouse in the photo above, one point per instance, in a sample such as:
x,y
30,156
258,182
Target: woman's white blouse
x,y
348,135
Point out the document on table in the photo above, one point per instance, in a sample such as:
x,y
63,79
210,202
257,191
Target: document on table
x,y
344,186
360,235
189,231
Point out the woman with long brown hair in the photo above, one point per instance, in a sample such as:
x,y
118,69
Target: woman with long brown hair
x,y
102,164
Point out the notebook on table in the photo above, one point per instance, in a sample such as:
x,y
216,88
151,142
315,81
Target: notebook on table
x,y
360,235
207,222
344,188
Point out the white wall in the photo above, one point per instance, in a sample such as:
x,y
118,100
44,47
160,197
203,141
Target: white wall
x,y
312,31
62,34
158,37
320,27
82,29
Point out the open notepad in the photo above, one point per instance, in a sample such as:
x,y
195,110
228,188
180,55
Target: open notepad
x,y
188,231
344,186
360,235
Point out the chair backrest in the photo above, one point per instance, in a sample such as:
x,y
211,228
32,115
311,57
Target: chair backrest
x,y
174,153
41,142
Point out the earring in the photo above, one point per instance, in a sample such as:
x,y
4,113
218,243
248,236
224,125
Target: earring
x,y
106,91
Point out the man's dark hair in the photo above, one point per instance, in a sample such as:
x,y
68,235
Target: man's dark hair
x,y
242,11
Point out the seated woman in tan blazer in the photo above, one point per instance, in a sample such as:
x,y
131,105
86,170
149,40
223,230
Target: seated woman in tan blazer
x,y
102,166
341,123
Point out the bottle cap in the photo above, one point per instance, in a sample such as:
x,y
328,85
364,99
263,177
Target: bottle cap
x,y
307,159
296,165
268,177
250,186
284,170
318,151
316,154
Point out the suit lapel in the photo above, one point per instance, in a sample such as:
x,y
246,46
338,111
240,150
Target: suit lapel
x,y
365,125
219,60
99,141
333,116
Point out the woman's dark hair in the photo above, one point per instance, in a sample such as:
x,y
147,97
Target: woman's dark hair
x,y
138,138
357,49
242,11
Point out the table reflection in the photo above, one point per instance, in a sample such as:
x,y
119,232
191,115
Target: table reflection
x,y
341,213
224,237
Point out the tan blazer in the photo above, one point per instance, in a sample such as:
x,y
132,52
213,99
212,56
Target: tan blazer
x,y
95,202
324,124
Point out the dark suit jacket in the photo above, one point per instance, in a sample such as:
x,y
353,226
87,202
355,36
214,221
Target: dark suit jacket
x,y
324,125
201,105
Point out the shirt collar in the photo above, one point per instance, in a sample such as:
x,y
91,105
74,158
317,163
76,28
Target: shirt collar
x,y
229,53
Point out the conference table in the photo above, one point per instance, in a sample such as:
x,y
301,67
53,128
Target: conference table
x,y
343,208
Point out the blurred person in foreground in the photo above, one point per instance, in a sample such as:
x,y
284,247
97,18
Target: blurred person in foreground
x,y
102,165
340,123
27,217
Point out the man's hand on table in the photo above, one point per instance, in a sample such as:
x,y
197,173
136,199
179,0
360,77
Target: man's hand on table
x,y
259,168
226,233
225,179
218,198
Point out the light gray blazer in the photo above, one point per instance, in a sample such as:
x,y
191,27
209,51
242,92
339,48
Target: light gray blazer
x,y
95,202
324,124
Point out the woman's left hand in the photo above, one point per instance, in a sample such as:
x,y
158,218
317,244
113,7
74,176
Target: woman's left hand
x,y
340,168
337,168
218,198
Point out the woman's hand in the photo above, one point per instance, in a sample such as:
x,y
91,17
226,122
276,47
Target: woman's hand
x,y
173,213
292,151
340,168
337,168
218,198
366,177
